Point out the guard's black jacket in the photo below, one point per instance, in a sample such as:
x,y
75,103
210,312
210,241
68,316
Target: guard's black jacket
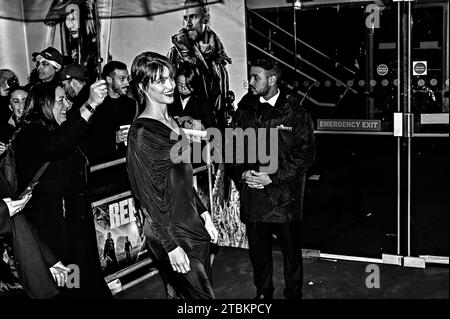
x,y
282,200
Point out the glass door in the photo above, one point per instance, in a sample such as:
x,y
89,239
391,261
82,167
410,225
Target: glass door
x,y
428,151
352,202
374,76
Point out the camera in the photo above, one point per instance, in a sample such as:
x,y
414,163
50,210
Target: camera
x,y
12,82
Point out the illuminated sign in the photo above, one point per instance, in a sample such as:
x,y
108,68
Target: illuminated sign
x,y
348,125
420,68
382,69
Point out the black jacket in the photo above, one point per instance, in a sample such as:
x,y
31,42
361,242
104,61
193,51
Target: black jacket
x,y
282,200
33,258
195,108
60,208
106,121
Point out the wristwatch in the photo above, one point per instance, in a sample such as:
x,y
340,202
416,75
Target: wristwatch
x,y
89,108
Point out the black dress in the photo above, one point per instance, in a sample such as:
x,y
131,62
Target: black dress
x,y
171,206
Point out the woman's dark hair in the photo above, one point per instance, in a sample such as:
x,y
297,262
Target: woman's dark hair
x,y
40,103
18,88
189,75
145,69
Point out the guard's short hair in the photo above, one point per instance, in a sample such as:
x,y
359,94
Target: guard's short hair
x,y
111,66
270,66
203,5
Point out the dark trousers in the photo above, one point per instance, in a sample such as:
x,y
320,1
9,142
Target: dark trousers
x,y
260,250
195,284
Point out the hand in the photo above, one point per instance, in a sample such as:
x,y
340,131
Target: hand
x,y
179,260
210,227
2,148
59,273
261,178
121,136
15,206
250,180
99,90
90,26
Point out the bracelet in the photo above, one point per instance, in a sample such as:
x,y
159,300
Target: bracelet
x,y
89,108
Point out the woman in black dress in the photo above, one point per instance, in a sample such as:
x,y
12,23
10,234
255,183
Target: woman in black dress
x,y
177,225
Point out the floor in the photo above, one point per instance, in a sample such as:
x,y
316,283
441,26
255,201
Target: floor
x,y
323,279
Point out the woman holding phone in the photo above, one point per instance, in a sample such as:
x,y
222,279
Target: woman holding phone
x,y
60,208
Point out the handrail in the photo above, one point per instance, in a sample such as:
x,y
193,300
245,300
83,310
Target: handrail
x,y
325,73
282,62
292,68
314,101
302,42
123,160
108,164
304,60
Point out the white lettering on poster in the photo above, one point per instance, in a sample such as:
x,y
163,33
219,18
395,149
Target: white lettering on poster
x,y
121,213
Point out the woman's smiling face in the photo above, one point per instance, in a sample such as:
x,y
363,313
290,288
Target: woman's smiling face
x,y
62,105
161,90
17,102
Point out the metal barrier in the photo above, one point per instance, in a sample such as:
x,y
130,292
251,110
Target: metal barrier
x,y
146,262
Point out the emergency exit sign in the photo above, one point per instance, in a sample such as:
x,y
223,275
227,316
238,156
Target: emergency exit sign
x,y
348,125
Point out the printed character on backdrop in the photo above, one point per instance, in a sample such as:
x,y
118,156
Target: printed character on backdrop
x,y
128,248
78,20
109,253
198,47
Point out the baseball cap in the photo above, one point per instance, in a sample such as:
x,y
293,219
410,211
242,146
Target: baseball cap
x,y
74,71
51,55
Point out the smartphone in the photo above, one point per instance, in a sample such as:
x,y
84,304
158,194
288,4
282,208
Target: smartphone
x,y
28,190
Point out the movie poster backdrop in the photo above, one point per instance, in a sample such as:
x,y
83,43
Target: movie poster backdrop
x,y
118,216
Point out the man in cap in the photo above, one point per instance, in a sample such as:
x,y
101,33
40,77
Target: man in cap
x,y
48,63
74,78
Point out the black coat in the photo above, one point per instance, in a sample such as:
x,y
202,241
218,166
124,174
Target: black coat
x,y
60,208
195,108
33,258
108,118
282,200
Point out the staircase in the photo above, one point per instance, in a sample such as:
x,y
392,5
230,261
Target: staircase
x,y
321,81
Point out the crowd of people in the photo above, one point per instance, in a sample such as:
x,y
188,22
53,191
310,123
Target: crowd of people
x,y
65,121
